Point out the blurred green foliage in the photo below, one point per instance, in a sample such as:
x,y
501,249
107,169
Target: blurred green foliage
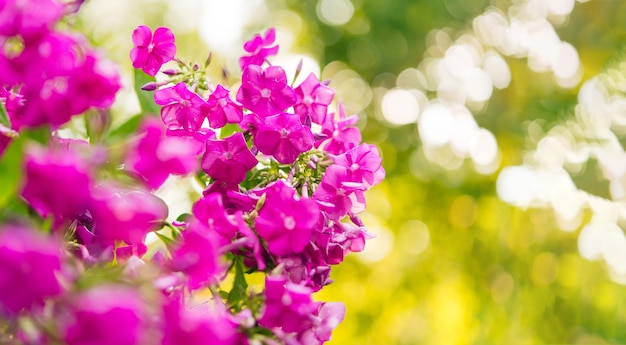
x,y
490,273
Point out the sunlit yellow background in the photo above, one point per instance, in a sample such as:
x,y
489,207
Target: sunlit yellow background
x,y
464,254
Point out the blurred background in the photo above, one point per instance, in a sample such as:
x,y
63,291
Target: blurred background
x,y
501,124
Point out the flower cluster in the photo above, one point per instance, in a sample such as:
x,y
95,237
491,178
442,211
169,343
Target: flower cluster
x,y
283,181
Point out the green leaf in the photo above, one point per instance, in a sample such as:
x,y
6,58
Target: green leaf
x,y
127,128
4,117
168,241
238,292
11,170
229,129
146,98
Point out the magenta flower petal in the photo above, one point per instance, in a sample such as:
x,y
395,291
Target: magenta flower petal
x,y
29,266
142,36
152,51
284,222
182,108
228,160
265,92
284,137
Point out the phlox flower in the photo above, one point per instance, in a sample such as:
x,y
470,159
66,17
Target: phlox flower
x,y
182,108
152,51
105,315
288,306
265,91
312,99
259,48
56,182
327,318
221,109
341,134
154,156
28,17
198,327
210,211
228,160
285,222
363,163
30,267
125,215
197,255
63,82
284,137
338,194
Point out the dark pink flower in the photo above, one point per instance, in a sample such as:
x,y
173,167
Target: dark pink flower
x,y
62,83
210,211
152,51
57,182
313,99
154,156
197,255
222,109
265,92
288,306
182,326
284,137
259,48
182,108
285,222
30,265
363,163
327,318
125,215
339,194
196,139
341,134
228,160
29,17
106,315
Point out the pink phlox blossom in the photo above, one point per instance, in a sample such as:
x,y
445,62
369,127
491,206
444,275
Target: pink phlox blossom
x,y
327,318
312,99
254,245
152,51
155,156
308,268
259,48
31,265
283,137
363,163
228,160
340,134
285,222
56,182
288,306
251,122
124,253
197,255
182,108
198,327
265,91
69,78
338,194
106,315
125,215
28,17
221,109
210,211
197,139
